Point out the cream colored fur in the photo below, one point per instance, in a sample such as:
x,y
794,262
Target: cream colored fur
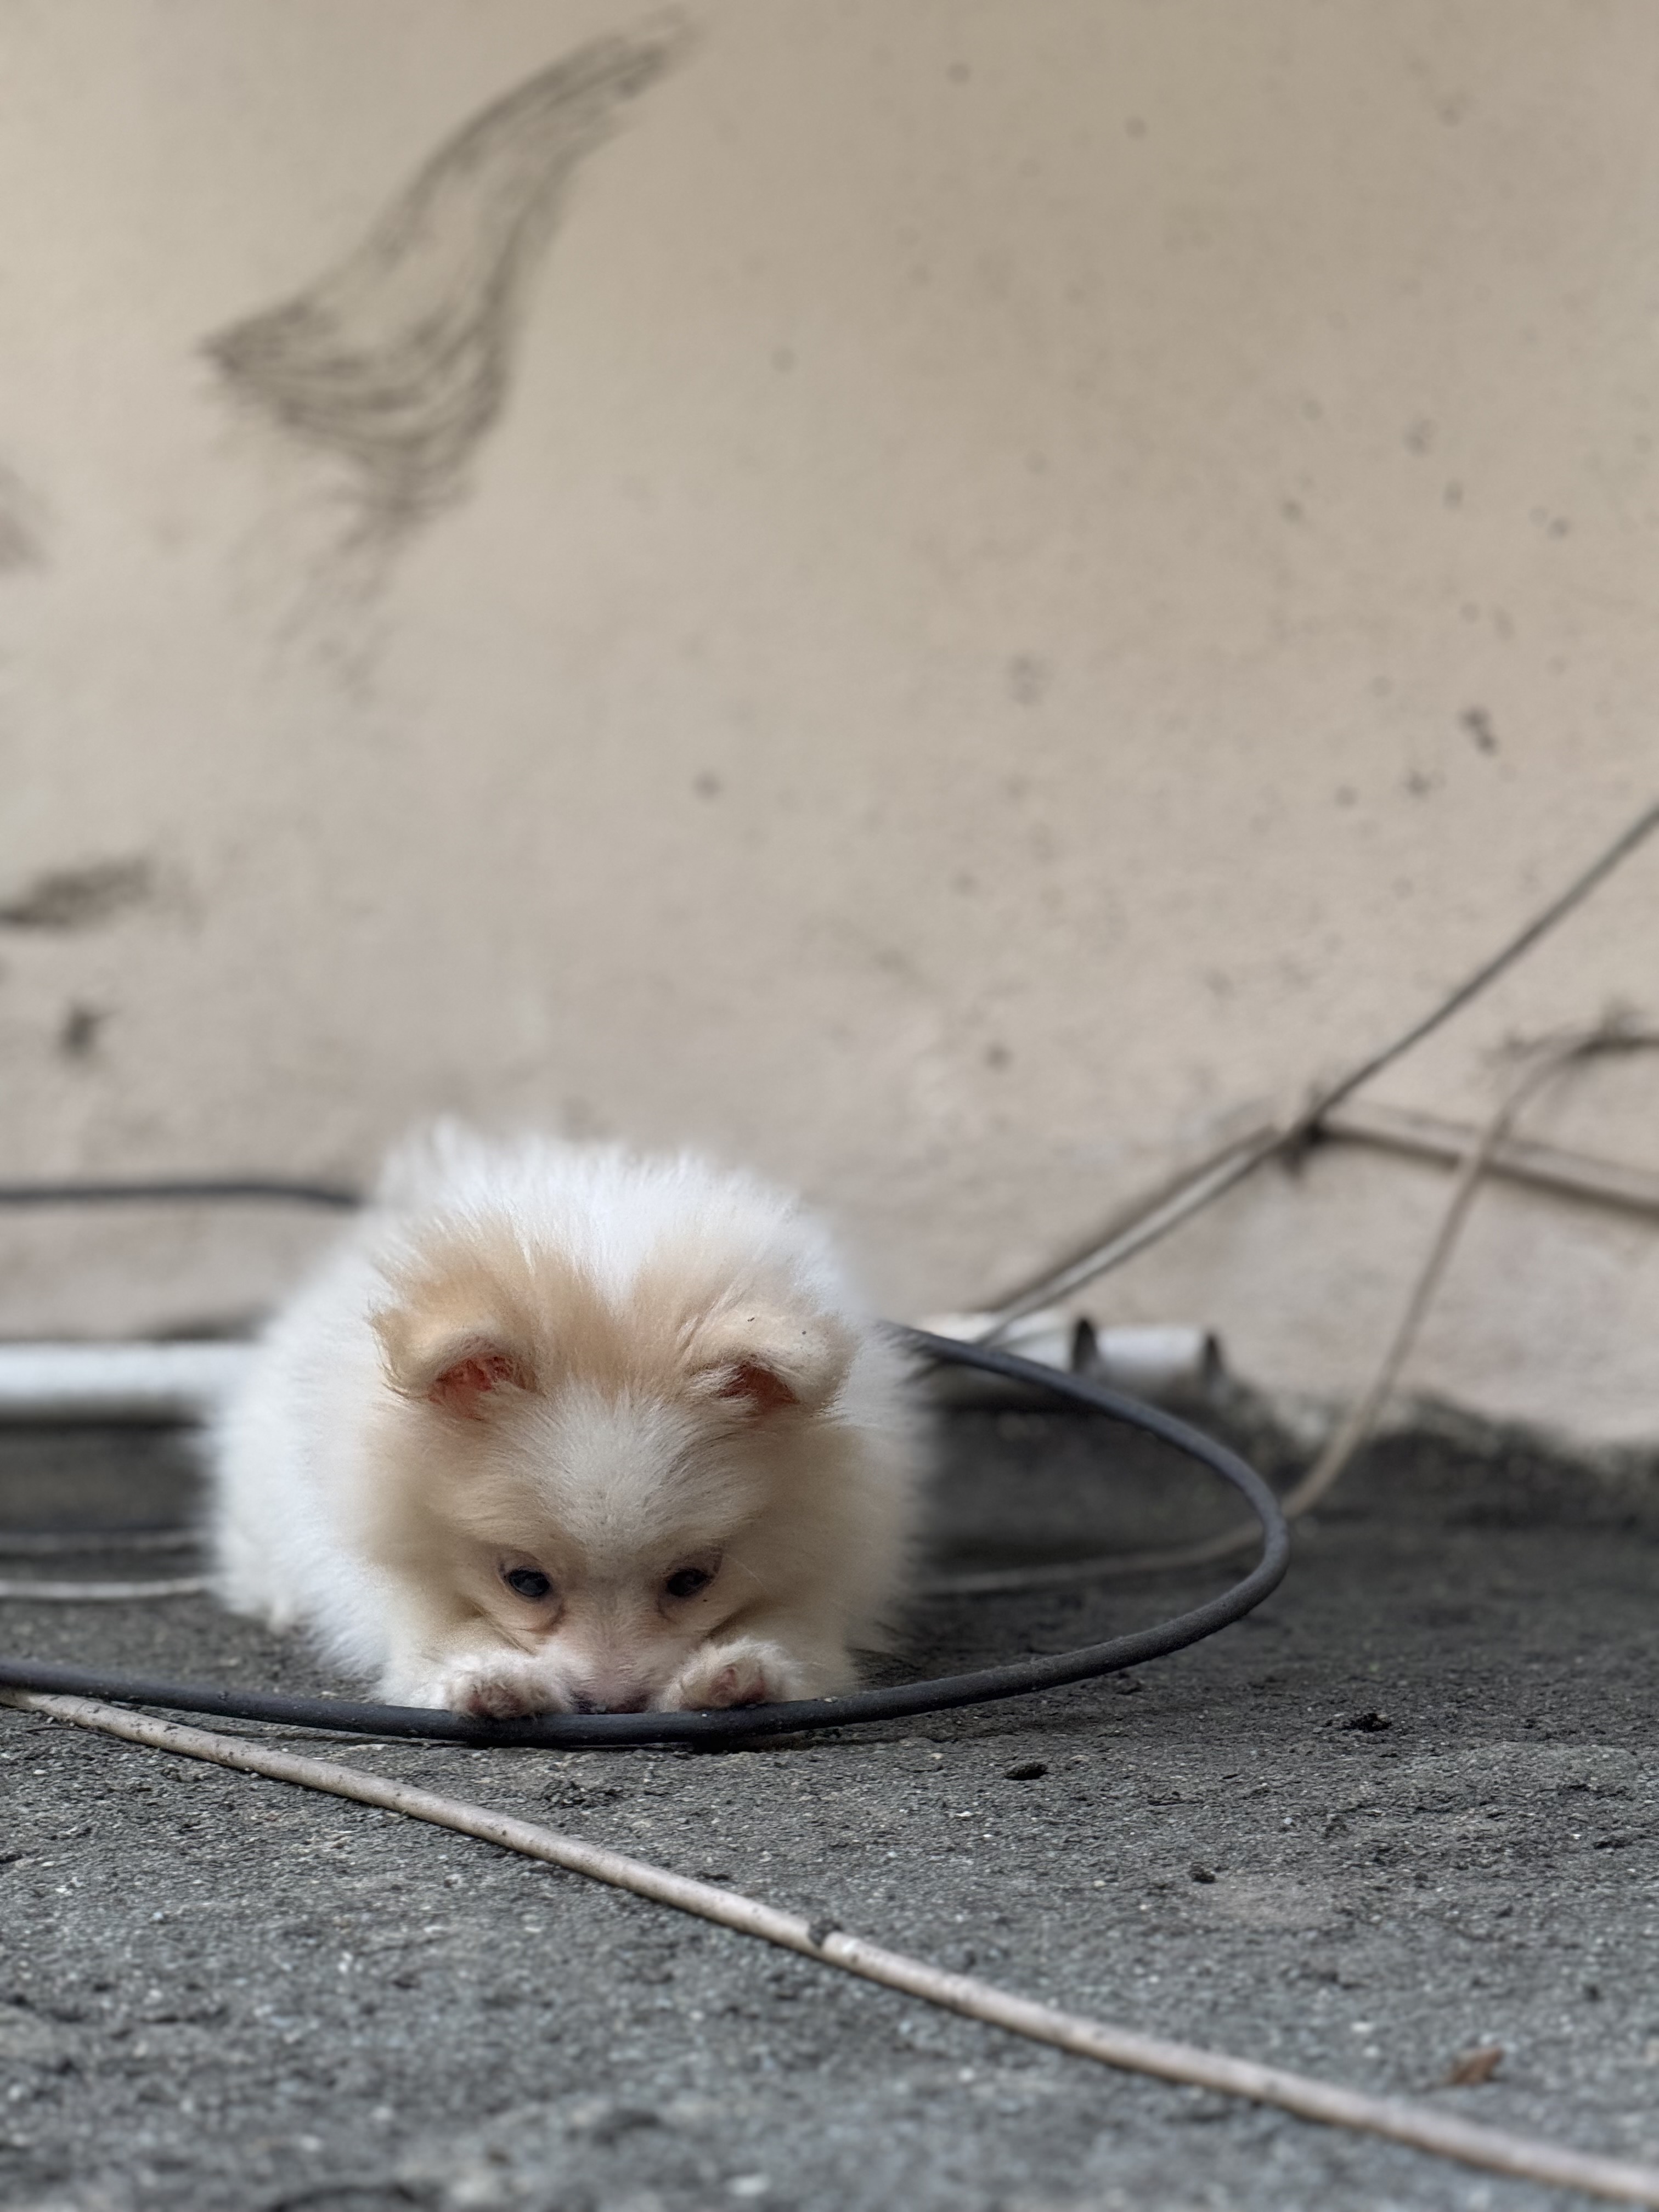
x,y
568,1362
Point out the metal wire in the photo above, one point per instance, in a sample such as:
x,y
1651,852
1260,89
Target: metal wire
x,y
1148,1220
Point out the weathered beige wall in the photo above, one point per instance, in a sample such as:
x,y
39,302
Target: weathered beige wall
x,y
961,669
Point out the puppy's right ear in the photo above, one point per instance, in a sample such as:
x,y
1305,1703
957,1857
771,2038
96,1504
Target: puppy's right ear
x,y
467,1371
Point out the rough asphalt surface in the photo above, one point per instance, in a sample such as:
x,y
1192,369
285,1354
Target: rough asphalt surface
x,y
1409,1810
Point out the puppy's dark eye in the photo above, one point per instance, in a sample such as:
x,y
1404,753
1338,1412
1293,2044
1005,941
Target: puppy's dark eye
x,y
688,1582
527,1582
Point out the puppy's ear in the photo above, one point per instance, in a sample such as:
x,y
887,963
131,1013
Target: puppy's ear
x,y
466,1370
473,1374
759,1362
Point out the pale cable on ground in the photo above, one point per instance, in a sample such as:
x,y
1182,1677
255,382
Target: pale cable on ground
x,y
1361,1418
100,1593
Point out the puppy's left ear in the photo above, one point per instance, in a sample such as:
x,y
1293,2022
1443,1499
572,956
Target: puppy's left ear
x,y
758,1362
463,1370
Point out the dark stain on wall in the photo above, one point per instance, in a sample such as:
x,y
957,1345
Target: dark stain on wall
x,y
79,898
400,359
79,1031
20,525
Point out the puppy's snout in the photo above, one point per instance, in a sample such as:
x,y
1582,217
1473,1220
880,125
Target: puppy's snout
x,y
611,1697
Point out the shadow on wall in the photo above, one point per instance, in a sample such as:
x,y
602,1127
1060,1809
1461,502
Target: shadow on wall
x,y
400,359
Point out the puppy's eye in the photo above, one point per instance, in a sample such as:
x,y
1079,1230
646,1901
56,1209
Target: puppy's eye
x,y
688,1581
527,1582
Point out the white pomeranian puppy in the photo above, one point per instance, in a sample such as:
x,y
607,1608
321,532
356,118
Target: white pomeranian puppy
x,y
559,1429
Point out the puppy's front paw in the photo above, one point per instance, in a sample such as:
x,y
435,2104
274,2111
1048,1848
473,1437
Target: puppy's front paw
x,y
501,1686
745,1672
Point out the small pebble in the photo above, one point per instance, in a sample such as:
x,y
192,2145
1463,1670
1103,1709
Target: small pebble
x,y
1027,1770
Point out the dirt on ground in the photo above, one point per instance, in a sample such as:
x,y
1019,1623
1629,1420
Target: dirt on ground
x,y
1407,1812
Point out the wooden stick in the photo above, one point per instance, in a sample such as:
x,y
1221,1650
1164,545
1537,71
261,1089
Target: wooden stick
x,y
1421,2127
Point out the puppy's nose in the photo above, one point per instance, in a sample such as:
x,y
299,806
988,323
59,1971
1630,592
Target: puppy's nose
x,y
611,1697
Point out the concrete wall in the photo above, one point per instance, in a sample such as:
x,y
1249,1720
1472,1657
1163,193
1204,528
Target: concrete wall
x,y
1044,575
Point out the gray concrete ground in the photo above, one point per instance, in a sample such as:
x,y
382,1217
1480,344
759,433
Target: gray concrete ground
x,y
1409,1808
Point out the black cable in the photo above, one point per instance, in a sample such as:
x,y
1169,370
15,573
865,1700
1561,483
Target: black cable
x,y
746,1724
282,1190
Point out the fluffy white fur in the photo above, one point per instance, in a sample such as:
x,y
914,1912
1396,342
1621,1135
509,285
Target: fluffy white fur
x,y
642,1383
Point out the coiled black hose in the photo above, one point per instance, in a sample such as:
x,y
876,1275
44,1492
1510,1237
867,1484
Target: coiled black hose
x,y
750,1723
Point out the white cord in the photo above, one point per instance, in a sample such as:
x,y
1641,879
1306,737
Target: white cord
x,y
100,1593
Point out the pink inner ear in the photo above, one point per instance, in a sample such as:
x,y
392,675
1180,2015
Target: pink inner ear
x,y
462,1387
757,1386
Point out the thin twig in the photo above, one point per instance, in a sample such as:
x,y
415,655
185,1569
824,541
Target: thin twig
x,y
1442,2134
